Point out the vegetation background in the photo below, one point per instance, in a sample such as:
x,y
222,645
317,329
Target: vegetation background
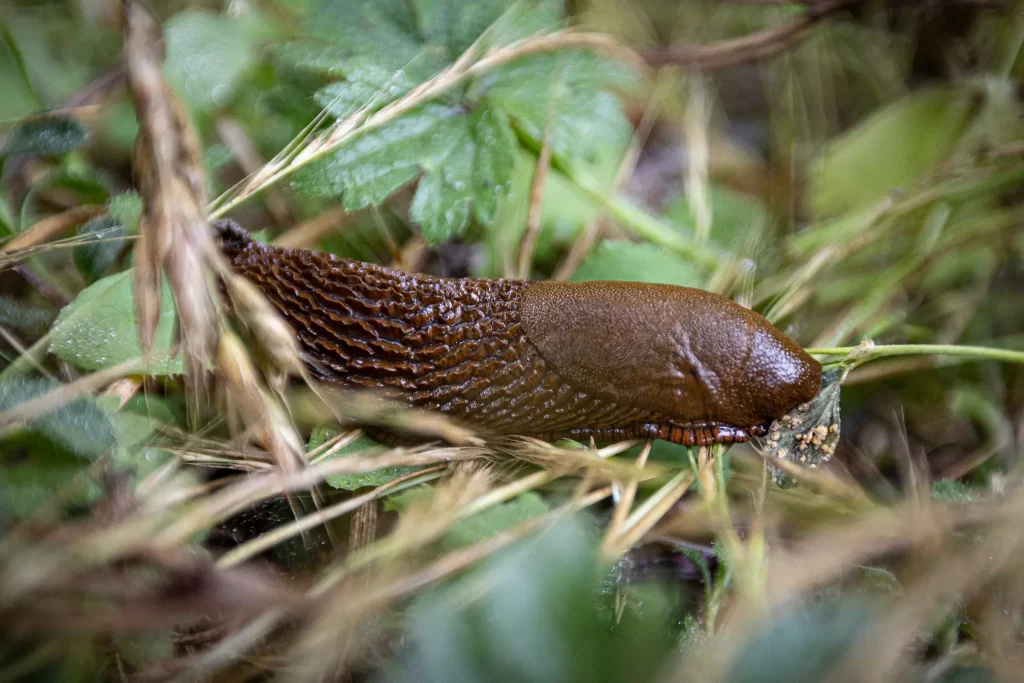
x,y
173,508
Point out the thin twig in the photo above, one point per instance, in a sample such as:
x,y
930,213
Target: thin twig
x,y
753,47
50,227
532,232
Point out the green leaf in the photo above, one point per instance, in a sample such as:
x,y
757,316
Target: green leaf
x,y
442,201
461,157
637,262
33,471
495,161
534,612
313,56
569,88
950,491
206,56
365,447
527,18
22,316
368,84
383,29
892,148
80,426
455,24
97,330
808,434
367,170
737,219
472,140
46,136
803,645
495,519
105,237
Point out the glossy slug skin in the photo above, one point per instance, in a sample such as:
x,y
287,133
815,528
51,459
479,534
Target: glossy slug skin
x,y
608,360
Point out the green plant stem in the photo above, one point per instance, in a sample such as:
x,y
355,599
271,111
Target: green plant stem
x,y
888,350
643,223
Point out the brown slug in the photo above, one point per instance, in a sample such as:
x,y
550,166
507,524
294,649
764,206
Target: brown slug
x,y
608,360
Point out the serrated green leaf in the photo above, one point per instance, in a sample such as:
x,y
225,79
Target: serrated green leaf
x,y
383,29
364,446
97,330
527,18
638,262
105,237
316,57
206,56
495,161
441,204
478,155
892,148
455,24
367,170
495,519
47,136
369,84
566,87
81,426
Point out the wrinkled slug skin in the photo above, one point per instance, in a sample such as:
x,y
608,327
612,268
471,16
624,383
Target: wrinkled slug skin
x,y
611,360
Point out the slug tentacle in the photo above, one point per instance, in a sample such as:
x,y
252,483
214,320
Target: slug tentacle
x,y
610,360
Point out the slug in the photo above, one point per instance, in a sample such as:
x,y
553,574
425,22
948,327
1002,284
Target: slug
x,y
608,360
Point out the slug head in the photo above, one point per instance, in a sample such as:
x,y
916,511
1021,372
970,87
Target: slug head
x,y
691,356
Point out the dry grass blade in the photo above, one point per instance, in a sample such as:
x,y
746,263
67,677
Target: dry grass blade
x,y
650,513
272,334
564,461
282,533
623,506
540,174
325,402
46,229
174,236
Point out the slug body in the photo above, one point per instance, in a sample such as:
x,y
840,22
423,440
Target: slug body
x,y
608,360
